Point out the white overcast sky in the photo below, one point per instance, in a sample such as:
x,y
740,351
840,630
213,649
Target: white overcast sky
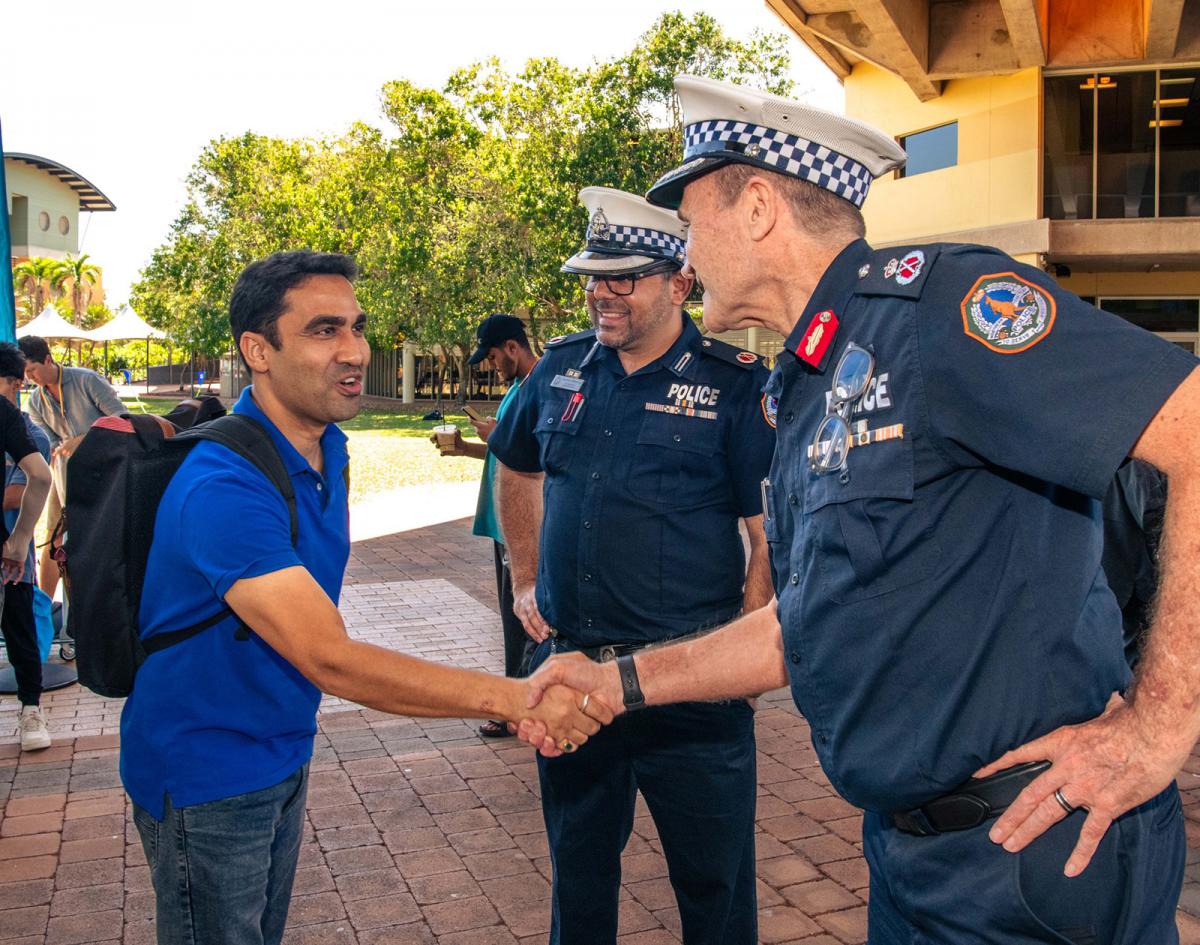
x,y
127,92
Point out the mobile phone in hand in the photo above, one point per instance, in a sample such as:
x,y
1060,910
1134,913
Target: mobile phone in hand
x,y
473,413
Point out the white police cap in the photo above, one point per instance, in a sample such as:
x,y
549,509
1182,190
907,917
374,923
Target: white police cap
x,y
625,234
724,123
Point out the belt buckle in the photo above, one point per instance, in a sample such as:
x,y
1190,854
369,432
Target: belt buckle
x,y
606,654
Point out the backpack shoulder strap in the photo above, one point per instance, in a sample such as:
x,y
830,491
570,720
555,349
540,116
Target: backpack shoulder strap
x,y
251,441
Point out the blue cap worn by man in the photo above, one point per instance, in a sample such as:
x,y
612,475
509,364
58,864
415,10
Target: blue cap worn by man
x,y
639,446
949,420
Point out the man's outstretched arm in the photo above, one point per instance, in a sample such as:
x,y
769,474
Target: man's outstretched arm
x,y
1136,748
742,659
293,616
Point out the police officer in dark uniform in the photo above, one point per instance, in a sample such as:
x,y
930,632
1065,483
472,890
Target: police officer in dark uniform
x,y
949,421
648,442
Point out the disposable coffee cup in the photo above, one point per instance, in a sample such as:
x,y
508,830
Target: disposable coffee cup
x,y
445,434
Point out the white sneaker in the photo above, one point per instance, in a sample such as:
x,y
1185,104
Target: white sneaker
x,y
34,734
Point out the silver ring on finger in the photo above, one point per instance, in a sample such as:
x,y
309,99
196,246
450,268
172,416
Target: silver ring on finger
x,y
1063,802
583,705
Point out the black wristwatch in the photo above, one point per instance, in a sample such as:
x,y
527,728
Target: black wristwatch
x,y
631,689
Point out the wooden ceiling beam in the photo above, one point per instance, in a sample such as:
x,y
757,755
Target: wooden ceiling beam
x,y
1026,21
795,19
1163,18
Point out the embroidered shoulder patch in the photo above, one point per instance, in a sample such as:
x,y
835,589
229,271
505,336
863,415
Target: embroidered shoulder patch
x,y
1005,313
770,409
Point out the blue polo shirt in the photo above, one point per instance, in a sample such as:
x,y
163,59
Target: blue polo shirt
x,y
214,717
941,596
646,477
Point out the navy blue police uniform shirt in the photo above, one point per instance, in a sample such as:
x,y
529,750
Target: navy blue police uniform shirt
x,y
942,600
646,476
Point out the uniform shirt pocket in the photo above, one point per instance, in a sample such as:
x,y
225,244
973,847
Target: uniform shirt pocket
x,y
672,461
555,436
871,533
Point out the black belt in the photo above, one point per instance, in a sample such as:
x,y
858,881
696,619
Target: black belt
x,y
970,804
600,654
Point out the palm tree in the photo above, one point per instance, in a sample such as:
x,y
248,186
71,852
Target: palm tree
x,y
82,275
34,281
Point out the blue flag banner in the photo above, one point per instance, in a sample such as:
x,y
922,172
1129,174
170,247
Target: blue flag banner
x,y
8,304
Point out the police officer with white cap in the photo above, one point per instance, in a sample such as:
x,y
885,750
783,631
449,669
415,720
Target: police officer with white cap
x,y
639,446
949,420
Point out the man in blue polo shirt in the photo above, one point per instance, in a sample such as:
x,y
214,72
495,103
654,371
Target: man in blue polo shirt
x,y
217,735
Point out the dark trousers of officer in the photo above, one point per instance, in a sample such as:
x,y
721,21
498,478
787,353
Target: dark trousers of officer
x,y
695,766
20,641
959,888
518,645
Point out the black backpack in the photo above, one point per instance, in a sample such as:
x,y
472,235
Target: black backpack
x,y
116,479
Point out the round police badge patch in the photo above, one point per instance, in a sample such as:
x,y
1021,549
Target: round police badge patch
x,y
747,357
557,339
770,409
1006,313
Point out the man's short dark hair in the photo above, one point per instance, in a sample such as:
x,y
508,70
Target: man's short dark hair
x,y
257,300
817,210
12,361
34,348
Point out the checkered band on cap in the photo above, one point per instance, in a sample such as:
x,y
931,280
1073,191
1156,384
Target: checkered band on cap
x,y
656,242
789,154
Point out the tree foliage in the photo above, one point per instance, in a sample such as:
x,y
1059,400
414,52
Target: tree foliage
x,y
467,203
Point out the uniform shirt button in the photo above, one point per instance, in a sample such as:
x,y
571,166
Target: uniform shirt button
x,y
595,475
789,417
588,621
822,738
620,387
549,421
792,500
587,578
608,432
795,579
795,656
587,524
677,438
319,487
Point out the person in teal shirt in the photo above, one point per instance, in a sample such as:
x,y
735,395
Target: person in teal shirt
x,y
503,342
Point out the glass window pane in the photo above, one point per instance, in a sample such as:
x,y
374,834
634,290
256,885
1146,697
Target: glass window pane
x,y
1125,168
930,150
1068,141
1157,314
1179,143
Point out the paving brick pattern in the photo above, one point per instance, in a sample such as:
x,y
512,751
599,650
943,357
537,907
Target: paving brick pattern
x,y
420,832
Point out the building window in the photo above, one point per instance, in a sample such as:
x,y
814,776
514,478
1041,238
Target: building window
x,y
64,226
930,150
44,221
1176,320
1122,146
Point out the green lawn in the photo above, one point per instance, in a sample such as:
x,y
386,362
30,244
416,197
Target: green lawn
x,y
388,448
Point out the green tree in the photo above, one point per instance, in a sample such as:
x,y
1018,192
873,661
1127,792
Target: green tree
x,y
80,275
34,282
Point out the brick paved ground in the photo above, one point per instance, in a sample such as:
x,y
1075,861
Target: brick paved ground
x,y
422,832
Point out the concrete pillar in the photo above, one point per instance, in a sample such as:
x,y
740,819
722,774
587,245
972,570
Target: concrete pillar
x,y
409,374
752,339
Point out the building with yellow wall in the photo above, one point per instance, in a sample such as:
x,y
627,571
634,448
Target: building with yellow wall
x,y
1064,132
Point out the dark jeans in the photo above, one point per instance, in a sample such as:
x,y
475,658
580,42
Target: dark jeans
x,y
518,645
20,641
959,888
223,871
694,763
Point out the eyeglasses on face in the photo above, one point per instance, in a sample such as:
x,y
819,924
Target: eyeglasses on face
x,y
621,285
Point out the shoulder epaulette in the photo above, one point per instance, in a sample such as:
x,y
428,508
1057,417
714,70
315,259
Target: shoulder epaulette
x,y
731,353
561,340
899,271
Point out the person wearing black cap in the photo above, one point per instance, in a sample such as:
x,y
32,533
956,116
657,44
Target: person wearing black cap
x,y
501,340
630,456
949,421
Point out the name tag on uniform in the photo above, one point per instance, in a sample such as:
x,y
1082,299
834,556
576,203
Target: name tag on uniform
x,y
563,382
